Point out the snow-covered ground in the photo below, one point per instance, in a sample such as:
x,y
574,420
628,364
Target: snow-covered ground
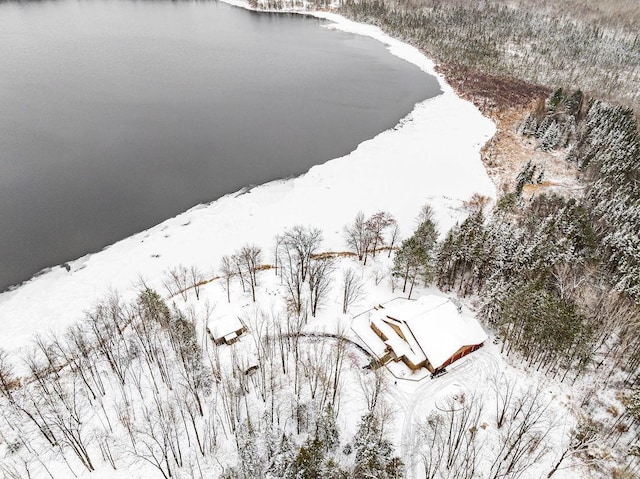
x,y
431,156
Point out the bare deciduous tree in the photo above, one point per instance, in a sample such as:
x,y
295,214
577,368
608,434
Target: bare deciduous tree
x,y
393,237
373,385
292,277
377,225
7,379
580,439
196,279
505,389
319,281
297,247
523,441
449,435
249,257
426,214
358,236
352,289
227,270
239,270
378,273
177,281
302,242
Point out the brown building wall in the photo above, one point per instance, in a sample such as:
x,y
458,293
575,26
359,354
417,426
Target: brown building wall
x,y
460,353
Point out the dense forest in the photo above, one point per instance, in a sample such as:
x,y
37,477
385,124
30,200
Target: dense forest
x,y
515,40
559,276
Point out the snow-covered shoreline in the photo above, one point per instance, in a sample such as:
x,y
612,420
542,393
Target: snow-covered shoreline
x,y
432,155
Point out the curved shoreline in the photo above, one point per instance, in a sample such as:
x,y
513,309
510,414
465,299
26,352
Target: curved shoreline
x,y
432,155
396,47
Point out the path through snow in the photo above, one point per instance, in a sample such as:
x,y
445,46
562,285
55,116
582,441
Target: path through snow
x,y
471,373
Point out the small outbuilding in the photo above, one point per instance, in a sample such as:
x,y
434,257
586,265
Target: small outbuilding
x,y
226,329
430,332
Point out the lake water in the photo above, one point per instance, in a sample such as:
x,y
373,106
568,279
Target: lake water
x,y
115,115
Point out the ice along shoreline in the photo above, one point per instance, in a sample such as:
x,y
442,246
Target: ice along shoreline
x,y
432,155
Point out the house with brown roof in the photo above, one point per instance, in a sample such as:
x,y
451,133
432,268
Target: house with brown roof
x,y
429,333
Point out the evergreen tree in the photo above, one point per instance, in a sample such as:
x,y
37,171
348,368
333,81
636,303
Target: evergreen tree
x,y
308,463
374,453
544,328
151,307
414,259
528,126
525,177
542,126
573,103
327,430
568,132
251,462
282,459
556,100
464,257
608,150
551,137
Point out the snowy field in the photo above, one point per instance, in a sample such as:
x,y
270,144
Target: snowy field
x,y
432,156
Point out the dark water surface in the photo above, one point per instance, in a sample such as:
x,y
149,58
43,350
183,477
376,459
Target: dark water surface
x,y
115,115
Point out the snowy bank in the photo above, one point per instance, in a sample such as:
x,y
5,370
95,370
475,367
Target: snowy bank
x,y
432,155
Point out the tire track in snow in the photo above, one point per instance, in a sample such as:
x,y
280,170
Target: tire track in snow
x,y
471,373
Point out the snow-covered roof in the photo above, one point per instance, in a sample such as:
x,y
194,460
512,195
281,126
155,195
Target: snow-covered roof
x,y
223,326
407,348
362,327
436,325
